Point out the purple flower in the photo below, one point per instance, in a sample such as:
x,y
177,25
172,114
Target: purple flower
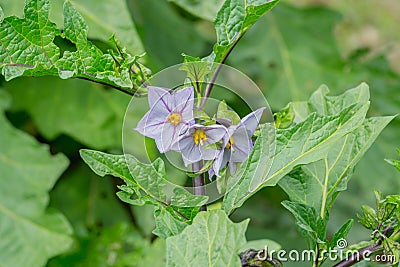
x,y
237,143
169,115
197,143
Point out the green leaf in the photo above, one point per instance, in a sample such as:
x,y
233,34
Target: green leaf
x,y
310,223
204,9
85,111
197,71
166,224
27,48
286,71
27,44
341,234
285,117
88,60
233,20
305,142
29,172
1,14
369,218
147,184
212,240
395,163
99,17
227,114
318,184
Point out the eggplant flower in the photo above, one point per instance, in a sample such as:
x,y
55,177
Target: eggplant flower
x,y
197,143
237,143
169,115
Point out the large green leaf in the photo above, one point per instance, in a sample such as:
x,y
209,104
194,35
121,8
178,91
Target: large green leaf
x,y
310,223
27,48
29,172
271,54
147,184
234,18
314,187
305,142
99,17
80,109
318,184
27,44
212,240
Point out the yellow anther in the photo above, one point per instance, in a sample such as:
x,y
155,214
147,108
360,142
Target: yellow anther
x,y
199,137
174,118
230,143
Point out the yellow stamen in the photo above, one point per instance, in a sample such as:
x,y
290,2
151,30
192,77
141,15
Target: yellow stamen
x,y
230,143
174,118
199,136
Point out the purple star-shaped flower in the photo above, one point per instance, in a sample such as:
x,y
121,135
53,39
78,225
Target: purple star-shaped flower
x,y
196,143
169,115
237,143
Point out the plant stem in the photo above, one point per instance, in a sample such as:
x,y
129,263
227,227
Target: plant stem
x,y
316,260
215,74
123,90
198,183
358,256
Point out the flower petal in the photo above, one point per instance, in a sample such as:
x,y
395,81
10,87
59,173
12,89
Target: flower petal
x,y
151,125
155,94
242,145
252,120
219,163
168,136
183,102
214,133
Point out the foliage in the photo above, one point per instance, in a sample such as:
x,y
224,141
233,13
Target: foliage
x,y
34,35
218,247
80,53
28,173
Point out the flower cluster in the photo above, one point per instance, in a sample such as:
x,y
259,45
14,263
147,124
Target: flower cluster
x,y
171,123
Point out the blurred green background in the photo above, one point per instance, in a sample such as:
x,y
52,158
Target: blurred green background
x,y
288,53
